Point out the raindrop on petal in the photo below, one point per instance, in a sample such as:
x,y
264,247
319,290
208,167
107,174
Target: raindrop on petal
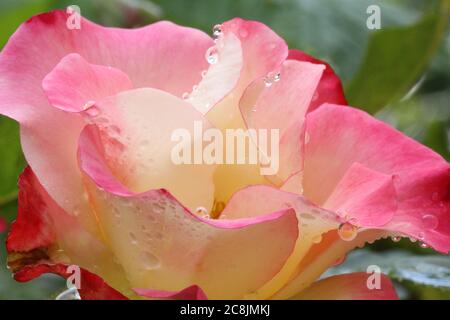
x,y
217,31
211,55
347,231
430,221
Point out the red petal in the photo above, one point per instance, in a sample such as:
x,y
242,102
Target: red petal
x,y
92,286
32,228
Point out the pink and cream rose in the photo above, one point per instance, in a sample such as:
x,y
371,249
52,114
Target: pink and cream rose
x,y
97,107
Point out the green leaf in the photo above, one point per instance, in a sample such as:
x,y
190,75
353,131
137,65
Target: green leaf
x,y
13,13
426,270
11,161
395,59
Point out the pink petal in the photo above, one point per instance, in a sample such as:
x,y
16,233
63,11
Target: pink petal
x,y
263,52
92,286
352,286
162,245
342,136
136,129
190,293
73,83
261,105
313,222
153,56
365,197
330,88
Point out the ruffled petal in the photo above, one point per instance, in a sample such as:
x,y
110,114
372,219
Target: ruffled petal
x,y
351,286
164,246
44,234
149,136
330,88
74,84
341,137
190,293
92,286
153,56
254,201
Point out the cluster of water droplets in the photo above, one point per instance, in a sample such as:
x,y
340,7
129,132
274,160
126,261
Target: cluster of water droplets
x,y
271,78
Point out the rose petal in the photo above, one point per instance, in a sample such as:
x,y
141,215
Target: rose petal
x,y
330,88
44,233
164,246
137,129
153,56
190,293
342,136
352,286
365,197
73,83
254,201
92,286
263,52
292,94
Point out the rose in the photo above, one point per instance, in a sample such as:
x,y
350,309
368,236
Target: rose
x,y
97,107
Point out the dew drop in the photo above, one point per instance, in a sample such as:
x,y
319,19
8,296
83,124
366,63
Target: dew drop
x,y
204,72
317,239
133,238
243,33
88,104
211,55
217,32
270,78
307,137
347,231
185,96
92,111
202,211
396,238
150,261
430,221
423,245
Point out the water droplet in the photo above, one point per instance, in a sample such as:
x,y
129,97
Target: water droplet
x,y
423,245
270,78
217,32
211,55
150,261
243,33
396,238
133,238
202,211
347,231
430,221
204,72
307,137
317,239
88,104
254,109
185,95
92,111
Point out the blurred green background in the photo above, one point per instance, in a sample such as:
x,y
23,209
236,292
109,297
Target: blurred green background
x,y
400,73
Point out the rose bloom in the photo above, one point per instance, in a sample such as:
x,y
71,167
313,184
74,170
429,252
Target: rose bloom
x,y
97,107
